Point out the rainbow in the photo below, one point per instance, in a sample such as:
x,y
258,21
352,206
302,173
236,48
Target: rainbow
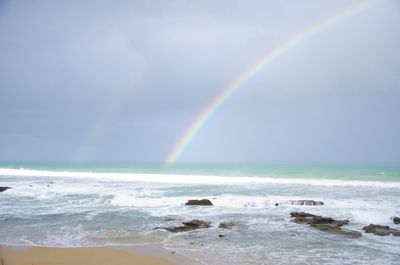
x,y
253,69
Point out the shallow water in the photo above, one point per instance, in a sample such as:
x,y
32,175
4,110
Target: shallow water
x,y
90,205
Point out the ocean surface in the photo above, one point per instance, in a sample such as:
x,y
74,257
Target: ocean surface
x,y
122,204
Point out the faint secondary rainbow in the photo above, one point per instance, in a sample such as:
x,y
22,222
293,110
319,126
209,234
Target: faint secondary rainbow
x,y
253,69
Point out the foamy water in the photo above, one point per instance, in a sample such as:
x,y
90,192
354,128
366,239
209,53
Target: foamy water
x,y
193,179
90,207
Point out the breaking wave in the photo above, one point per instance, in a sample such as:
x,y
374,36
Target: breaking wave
x,y
193,179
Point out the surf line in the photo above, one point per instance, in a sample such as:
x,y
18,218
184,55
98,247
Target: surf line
x,y
215,103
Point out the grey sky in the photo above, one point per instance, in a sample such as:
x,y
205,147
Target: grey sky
x,y
121,80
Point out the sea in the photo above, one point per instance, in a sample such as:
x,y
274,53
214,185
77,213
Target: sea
x,y
107,204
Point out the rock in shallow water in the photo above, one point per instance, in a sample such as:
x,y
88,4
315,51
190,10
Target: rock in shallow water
x,y
301,214
226,225
308,218
203,202
335,229
381,230
396,220
326,224
4,188
189,226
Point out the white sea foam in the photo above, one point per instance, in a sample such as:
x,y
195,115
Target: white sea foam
x,y
226,200
192,179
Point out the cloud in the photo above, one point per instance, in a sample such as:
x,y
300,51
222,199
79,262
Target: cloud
x,y
122,80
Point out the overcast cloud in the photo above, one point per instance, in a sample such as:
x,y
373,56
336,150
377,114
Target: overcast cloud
x,y
121,80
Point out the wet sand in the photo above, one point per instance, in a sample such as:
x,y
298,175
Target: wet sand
x,y
77,256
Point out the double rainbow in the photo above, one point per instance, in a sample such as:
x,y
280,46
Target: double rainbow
x,y
252,70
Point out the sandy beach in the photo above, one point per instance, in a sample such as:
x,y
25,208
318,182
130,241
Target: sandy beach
x,y
76,255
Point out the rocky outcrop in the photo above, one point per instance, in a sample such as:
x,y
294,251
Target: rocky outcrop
x,y
306,202
301,214
396,220
226,225
335,229
326,224
381,230
203,202
4,188
312,219
189,226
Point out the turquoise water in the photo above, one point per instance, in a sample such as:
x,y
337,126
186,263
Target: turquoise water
x,y
62,204
373,172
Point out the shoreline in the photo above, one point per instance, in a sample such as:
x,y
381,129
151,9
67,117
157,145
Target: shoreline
x,y
255,223
143,254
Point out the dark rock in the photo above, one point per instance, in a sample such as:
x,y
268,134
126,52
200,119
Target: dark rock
x,y
395,232
381,230
308,218
189,226
198,223
321,220
179,229
4,188
303,220
371,227
203,202
325,227
326,224
306,202
301,214
328,220
396,220
335,229
221,235
341,222
226,225
350,233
